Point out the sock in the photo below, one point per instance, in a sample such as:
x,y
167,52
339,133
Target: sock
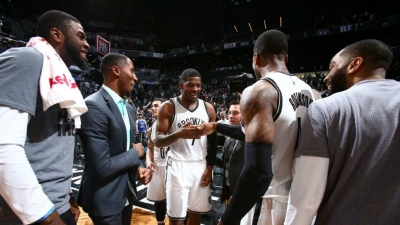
x,y
161,210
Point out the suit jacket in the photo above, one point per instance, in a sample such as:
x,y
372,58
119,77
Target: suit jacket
x,y
236,162
104,188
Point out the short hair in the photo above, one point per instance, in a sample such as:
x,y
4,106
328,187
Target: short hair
x,y
189,73
373,52
159,99
271,42
234,103
113,59
53,18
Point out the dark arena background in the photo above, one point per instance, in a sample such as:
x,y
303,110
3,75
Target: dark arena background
x,y
216,37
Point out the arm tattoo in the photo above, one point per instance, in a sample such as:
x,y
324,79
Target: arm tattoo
x,y
258,105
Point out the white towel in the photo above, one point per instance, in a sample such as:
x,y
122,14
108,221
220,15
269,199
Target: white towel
x,y
56,83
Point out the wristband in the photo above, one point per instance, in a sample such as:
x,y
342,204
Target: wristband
x,y
46,215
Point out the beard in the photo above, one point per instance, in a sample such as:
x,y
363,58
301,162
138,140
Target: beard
x,y
338,82
75,54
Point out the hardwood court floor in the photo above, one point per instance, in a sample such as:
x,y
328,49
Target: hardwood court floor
x,y
139,217
144,209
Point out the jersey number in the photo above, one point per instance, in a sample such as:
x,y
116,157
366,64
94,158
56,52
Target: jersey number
x,y
162,153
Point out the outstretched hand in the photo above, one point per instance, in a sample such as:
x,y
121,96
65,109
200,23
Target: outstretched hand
x,y
190,132
207,128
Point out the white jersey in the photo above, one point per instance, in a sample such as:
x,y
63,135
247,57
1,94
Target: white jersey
x,y
160,154
294,98
188,149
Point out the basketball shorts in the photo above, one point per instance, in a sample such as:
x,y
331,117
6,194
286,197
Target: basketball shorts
x,y
184,193
156,187
272,212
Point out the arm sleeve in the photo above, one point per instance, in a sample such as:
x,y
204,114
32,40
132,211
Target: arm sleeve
x,y
211,148
252,184
18,183
307,191
97,148
233,131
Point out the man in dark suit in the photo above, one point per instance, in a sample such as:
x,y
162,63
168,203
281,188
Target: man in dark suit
x,y
232,157
107,135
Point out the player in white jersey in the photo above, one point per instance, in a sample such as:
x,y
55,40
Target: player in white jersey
x,y
271,111
294,98
191,156
156,159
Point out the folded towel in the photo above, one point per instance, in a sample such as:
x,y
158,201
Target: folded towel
x,y
56,83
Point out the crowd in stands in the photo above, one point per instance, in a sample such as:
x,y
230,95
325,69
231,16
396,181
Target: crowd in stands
x,y
315,80
338,18
208,42
125,41
215,88
88,88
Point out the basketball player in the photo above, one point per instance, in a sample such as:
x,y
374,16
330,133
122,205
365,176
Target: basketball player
x,y
271,111
348,154
191,157
156,160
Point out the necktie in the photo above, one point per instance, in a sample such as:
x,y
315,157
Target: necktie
x,y
124,113
232,145
131,171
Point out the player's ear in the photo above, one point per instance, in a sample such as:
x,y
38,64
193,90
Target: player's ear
x,y
116,71
56,35
256,59
355,65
